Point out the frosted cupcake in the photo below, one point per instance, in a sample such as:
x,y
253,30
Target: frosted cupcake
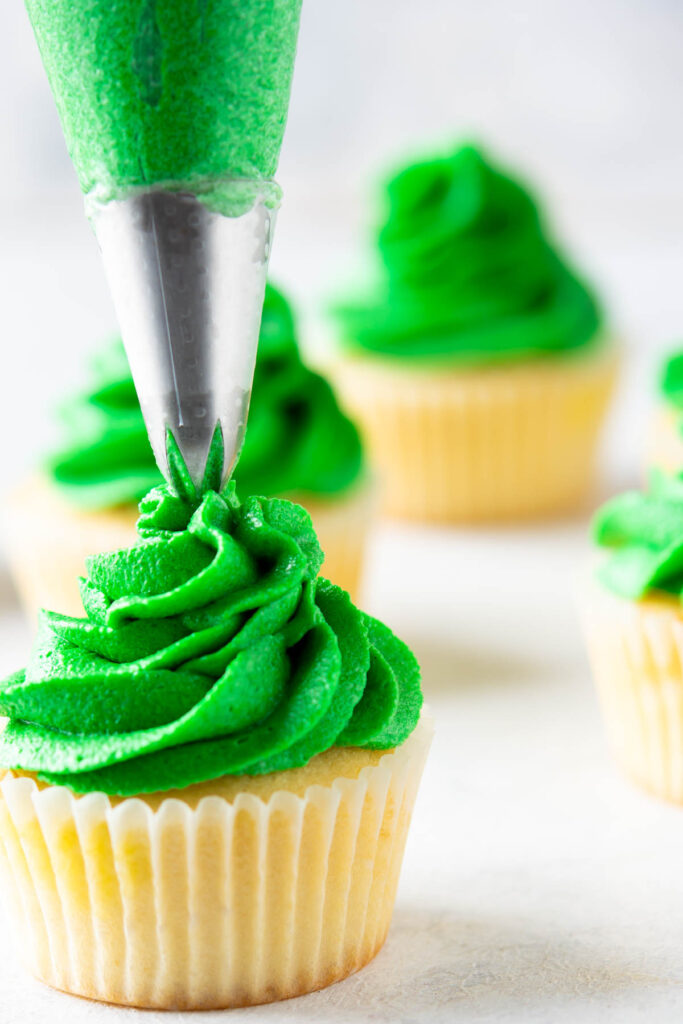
x,y
633,619
207,782
666,441
477,366
298,443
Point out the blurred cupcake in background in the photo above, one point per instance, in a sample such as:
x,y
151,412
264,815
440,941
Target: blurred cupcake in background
x,y
299,444
633,620
477,365
666,438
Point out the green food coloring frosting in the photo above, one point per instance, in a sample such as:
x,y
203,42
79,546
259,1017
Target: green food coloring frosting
x,y
671,381
170,91
210,648
297,441
643,533
468,271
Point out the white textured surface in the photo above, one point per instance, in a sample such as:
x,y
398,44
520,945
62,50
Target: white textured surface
x,y
537,887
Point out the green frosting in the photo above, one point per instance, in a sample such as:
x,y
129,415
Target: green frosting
x,y
168,90
210,648
671,381
468,271
297,440
644,535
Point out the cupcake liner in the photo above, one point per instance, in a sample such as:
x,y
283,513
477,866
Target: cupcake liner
x,y
481,443
343,524
47,541
665,446
636,652
228,903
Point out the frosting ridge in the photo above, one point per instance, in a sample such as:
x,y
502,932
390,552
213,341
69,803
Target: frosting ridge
x,y
643,535
671,380
209,648
467,271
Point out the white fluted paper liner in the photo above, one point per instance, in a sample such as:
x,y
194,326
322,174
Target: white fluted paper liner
x,y
227,903
487,443
665,442
47,540
636,652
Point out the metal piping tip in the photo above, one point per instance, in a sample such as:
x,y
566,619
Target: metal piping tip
x,y
187,272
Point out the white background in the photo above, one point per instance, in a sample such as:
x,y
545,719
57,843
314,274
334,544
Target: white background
x,y
537,886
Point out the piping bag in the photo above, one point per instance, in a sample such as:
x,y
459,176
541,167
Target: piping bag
x,y
173,113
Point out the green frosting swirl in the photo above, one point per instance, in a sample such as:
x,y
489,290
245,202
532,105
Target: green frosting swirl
x,y
644,535
298,439
671,380
468,271
209,648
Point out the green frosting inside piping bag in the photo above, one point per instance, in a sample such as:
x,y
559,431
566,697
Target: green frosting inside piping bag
x,y
209,648
468,271
297,439
168,91
643,534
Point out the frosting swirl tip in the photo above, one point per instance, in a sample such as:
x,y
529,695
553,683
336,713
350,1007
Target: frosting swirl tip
x,y
210,647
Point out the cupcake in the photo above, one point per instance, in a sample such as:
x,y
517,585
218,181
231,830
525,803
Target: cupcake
x,y
477,366
633,620
207,781
298,444
666,440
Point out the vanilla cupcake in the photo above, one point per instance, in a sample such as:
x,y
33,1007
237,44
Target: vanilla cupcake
x,y
633,619
207,782
477,366
666,438
298,444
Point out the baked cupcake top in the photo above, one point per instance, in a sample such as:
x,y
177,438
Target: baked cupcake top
x,y
643,534
168,92
468,272
298,440
209,648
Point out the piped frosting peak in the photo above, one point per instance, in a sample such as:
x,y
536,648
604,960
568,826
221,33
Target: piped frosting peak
x,y
209,648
